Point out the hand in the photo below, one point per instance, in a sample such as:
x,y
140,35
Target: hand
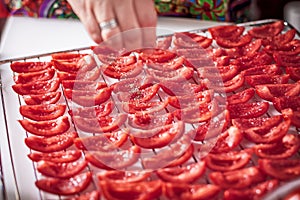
x,y
139,15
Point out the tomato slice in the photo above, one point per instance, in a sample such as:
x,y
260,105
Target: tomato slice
x,y
226,31
228,161
283,102
46,128
164,42
105,54
37,87
286,60
186,174
267,30
104,142
285,148
124,177
69,186
261,79
177,191
42,112
174,64
156,55
294,73
47,98
248,110
240,41
280,39
256,192
101,124
213,73
150,107
282,169
93,195
101,110
228,86
119,71
269,91
147,121
83,85
25,67
237,179
67,56
71,62
241,97
57,156
158,137
180,75
191,40
255,59
107,160
52,143
28,77
131,191
61,170
182,89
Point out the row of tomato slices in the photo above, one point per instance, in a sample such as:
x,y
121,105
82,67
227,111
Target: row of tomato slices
x,y
242,119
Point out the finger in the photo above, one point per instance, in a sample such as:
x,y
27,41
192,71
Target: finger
x,y
128,22
87,18
103,10
147,19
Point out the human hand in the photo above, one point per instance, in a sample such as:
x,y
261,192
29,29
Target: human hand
x,y
138,16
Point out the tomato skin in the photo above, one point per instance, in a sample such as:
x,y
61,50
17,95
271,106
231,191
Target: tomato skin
x,y
25,67
248,110
70,186
37,87
46,128
47,98
52,143
43,75
146,190
61,170
123,176
56,156
42,112
179,191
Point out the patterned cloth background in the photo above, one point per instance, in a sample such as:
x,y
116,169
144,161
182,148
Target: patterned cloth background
x,y
216,10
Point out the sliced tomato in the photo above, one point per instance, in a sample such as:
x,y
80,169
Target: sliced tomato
x,y
287,147
150,107
182,89
173,64
124,177
180,75
61,170
101,110
83,85
214,73
240,41
186,174
255,192
47,98
241,97
294,73
252,48
145,190
27,77
286,60
103,142
226,31
267,30
295,118
69,186
140,95
69,62
228,161
42,112
37,87
93,195
282,169
237,179
146,121
191,40
46,128
25,67
164,42
67,56
178,191
283,102
228,86
66,76
158,137
105,54
156,55
52,143
255,59
248,110
57,156
269,91
261,79
263,122
280,39
132,84
88,98
272,69
89,75
107,160
100,125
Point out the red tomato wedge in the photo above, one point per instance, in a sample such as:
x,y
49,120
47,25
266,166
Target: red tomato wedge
x,y
145,190
28,77
107,160
25,67
93,195
69,186
57,156
264,122
173,64
104,142
156,55
269,91
186,174
283,102
282,169
228,86
164,43
105,54
71,62
46,128
272,69
151,107
256,59
67,56
83,85
237,179
248,110
61,170
100,124
178,191
226,31
52,143
101,110
280,39
147,121
294,73
261,79
180,75
37,87
287,60
228,161
132,84
182,89
287,147
42,112
124,177
267,30
240,41
47,98
158,137
224,73
191,40
119,71
255,192
241,97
